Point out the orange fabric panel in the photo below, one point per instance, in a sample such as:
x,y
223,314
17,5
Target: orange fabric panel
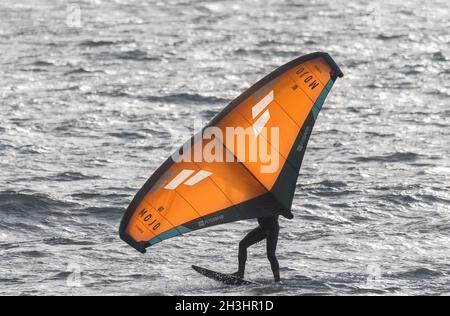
x,y
308,81
176,212
292,99
235,119
173,209
147,223
282,142
228,183
234,181
176,209
320,68
139,231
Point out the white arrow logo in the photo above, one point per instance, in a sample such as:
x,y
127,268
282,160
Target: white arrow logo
x,y
264,118
186,174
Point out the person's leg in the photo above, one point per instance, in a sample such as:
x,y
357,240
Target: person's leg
x,y
253,237
272,240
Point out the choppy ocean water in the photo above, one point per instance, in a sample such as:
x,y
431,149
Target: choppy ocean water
x,y
95,94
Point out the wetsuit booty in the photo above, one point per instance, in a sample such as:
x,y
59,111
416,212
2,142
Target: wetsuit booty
x,y
276,275
238,274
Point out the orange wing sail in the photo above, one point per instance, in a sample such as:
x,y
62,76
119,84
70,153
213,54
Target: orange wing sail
x,y
278,114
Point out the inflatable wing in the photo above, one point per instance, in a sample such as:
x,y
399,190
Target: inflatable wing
x,y
277,113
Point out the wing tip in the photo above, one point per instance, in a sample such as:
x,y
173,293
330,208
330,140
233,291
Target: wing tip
x,y
337,72
139,246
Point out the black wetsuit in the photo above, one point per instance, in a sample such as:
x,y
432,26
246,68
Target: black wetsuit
x,y
268,229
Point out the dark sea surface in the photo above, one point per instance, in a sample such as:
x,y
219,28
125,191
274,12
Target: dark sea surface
x,y
90,107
